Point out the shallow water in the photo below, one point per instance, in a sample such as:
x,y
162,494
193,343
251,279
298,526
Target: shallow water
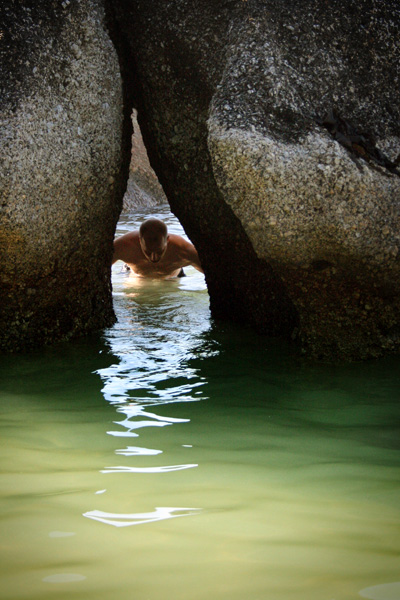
x,y
177,458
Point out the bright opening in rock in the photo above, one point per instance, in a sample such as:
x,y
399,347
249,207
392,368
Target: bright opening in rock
x,y
145,198
143,189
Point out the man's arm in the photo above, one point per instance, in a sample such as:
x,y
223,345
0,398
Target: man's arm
x,y
123,247
192,256
117,251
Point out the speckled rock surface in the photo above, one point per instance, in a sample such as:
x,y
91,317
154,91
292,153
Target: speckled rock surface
x,y
62,182
275,129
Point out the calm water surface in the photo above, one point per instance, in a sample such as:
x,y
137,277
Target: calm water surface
x,y
175,458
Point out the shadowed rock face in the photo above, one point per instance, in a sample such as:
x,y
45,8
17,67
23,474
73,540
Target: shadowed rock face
x,y
275,131
62,124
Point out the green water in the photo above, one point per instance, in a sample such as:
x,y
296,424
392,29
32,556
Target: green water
x,y
175,458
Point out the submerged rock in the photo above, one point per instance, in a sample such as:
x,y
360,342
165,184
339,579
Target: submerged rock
x,y
62,178
275,131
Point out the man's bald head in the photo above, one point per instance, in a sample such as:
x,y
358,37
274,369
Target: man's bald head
x,y
153,227
153,235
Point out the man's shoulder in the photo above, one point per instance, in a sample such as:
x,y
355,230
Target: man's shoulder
x,y
177,240
129,238
181,248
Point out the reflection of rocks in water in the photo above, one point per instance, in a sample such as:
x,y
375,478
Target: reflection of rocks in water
x,y
143,188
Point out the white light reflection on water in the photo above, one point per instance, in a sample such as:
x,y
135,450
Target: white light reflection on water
x,y
165,469
157,332
137,451
133,411
121,383
153,359
126,520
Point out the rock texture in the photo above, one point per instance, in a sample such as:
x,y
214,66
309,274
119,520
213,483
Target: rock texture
x,y
63,172
274,128
275,131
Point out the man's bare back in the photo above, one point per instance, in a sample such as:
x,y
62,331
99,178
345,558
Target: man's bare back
x,y
152,252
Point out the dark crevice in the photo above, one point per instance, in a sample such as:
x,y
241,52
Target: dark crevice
x,y
360,144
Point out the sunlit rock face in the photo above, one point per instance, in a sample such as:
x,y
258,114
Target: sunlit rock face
x,y
275,130
62,122
143,188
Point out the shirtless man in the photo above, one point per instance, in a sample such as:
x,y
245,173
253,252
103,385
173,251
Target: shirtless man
x,y
152,252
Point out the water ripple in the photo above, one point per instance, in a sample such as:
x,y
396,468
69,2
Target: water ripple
x,y
139,424
137,451
125,520
166,469
133,410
